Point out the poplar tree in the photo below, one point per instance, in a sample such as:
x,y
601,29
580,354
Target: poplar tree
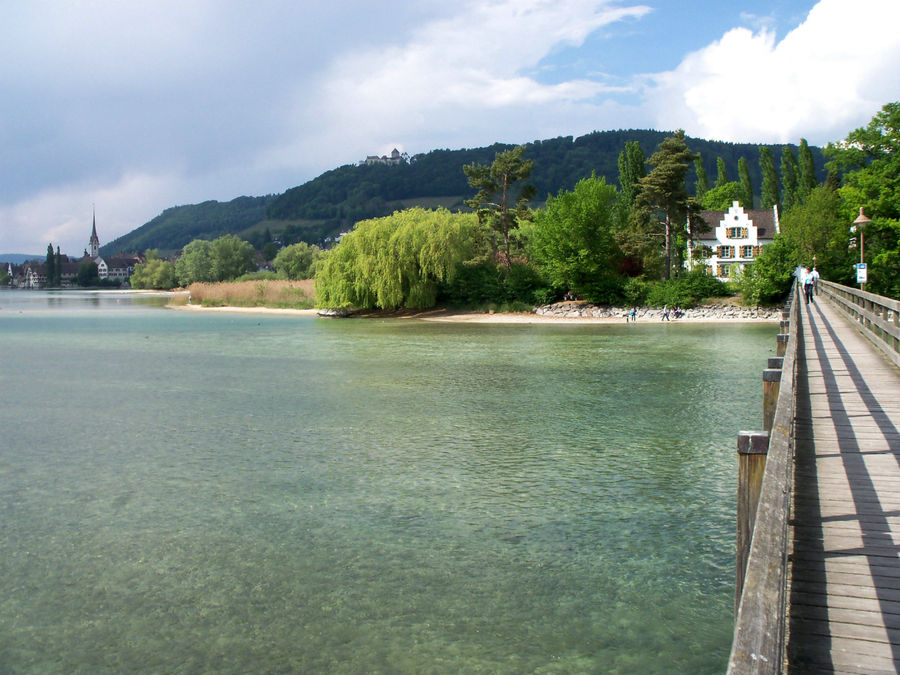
x,y
57,268
769,196
632,167
702,184
50,265
664,190
746,193
721,172
495,202
789,178
806,179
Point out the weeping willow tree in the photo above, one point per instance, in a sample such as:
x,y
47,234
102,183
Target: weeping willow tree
x,y
397,261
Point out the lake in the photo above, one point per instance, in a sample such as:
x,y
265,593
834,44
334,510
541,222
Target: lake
x,y
189,492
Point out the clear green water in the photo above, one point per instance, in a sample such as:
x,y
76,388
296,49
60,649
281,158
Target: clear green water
x,y
185,492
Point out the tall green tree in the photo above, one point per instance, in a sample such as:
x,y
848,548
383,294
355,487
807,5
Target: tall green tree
x,y
154,272
769,278
663,190
195,263
746,197
297,261
503,196
50,266
88,274
57,268
632,167
806,178
721,172
819,234
870,159
572,241
231,257
722,197
702,184
790,175
870,156
769,196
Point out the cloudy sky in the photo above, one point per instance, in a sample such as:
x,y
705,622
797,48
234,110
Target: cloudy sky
x,y
137,106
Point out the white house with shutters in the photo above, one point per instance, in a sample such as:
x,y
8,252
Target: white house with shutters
x,y
734,240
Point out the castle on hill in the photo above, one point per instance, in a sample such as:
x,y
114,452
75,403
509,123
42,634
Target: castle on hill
x,y
396,157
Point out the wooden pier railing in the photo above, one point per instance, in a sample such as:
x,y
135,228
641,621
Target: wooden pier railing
x,y
764,515
878,318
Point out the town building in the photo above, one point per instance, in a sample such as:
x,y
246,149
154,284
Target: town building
x,y
118,268
735,238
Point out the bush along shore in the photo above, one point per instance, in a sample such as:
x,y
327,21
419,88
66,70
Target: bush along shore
x,y
581,310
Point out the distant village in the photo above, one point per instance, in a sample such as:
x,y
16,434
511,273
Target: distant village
x,y
735,239
115,270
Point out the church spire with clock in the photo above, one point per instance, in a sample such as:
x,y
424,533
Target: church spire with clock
x,y
94,245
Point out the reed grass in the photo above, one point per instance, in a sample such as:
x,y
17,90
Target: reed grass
x,y
278,294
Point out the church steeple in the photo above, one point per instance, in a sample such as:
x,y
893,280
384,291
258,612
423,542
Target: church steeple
x,y
94,245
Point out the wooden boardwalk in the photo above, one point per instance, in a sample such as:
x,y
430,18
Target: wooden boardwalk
x,y
845,568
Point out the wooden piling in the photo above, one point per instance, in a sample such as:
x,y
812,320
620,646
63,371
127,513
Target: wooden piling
x,y
782,343
771,384
752,447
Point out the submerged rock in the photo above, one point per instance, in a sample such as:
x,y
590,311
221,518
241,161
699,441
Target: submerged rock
x,y
337,313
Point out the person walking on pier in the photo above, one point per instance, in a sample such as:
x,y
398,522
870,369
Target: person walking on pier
x,y
806,281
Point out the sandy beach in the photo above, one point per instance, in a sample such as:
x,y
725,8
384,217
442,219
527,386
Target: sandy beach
x,y
645,315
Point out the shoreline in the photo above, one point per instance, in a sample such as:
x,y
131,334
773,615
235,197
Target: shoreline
x,y
613,315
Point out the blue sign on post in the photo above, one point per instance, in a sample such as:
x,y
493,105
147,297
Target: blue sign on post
x,y
861,273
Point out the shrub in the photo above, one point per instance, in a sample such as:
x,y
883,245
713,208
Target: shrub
x,y
635,291
687,290
486,282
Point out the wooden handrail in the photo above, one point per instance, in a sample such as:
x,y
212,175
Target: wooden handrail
x,y
760,626
877,317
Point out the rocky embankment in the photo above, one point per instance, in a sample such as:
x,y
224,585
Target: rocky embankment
x,y
576,310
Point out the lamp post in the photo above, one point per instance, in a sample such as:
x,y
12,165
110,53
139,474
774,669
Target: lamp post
x,y
860,224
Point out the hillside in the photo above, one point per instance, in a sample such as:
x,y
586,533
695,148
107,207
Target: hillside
x,y
340,197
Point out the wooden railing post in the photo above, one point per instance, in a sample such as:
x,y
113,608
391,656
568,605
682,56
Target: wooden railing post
x,y
752,447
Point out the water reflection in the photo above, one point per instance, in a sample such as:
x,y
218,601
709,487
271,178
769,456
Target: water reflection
x,y
28,300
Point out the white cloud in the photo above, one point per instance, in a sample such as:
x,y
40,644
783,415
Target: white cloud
x,y
62,216
458,77
826,77
145,105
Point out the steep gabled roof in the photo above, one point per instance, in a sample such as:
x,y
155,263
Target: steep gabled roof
x,y
763,219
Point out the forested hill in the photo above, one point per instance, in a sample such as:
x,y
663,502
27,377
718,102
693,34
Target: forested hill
x,y
338,198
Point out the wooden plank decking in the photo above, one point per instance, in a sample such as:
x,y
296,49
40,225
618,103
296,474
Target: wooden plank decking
x,y
845,568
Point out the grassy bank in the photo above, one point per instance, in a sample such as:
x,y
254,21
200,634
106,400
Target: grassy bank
x,y
259,293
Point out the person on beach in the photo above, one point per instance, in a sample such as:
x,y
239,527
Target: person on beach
x,y
634,314
665,314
